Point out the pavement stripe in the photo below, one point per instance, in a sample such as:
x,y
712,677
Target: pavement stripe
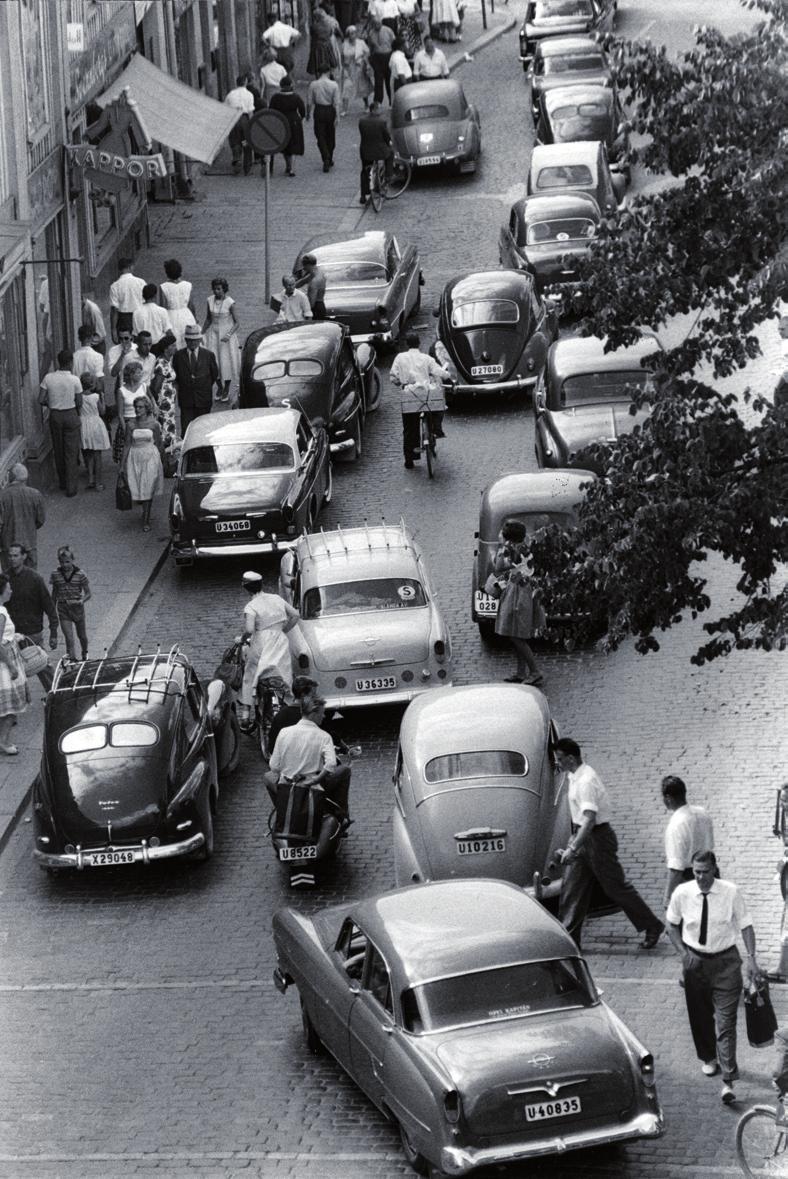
x,y
234,983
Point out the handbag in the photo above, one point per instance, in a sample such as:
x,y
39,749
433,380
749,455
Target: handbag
x,y
493,587
34,658
299,812
759,1015
231,668
122,494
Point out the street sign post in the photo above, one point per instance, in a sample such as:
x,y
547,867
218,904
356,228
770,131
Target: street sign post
x,y
268,133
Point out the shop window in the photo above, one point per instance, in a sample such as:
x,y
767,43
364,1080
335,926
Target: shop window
x,y
13,356
49,276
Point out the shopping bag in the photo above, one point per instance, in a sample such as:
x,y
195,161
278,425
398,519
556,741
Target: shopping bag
x,y
122,494
299,812
759,1014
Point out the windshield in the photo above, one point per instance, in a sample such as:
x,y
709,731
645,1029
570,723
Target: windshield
x,y
483,311
238,458
505,992
573,62
605,386
351,273
565,176
361,597
417,114
565,230
545,9
273,370
486,763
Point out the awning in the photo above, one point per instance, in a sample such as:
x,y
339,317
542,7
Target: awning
x,y
172,113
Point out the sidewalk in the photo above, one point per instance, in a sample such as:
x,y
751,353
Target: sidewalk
x,y
221,233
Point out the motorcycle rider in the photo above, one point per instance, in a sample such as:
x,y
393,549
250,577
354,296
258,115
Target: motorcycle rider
x,y
290,714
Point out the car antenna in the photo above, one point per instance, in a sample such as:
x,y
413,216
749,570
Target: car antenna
x,y
342,540
366,533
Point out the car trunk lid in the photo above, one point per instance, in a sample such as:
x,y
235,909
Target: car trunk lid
x,y
93,790
363,642
482,829
208,502
430,138
484,348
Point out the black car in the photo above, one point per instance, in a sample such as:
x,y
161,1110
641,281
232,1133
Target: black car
x,y
313,367
555,18
493,332
571,113
547,235
129,771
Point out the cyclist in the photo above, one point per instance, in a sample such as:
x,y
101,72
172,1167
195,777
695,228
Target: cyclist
x,y
421,380
375,144
267,619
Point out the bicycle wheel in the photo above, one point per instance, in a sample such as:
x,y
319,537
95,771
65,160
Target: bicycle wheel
x,y
400,179
428,445
760,1144
375,193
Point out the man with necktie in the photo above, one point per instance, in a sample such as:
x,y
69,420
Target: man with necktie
x,y
196,375
705,917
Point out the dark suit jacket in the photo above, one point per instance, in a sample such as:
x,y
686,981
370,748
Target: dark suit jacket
x,y
375,139
195,389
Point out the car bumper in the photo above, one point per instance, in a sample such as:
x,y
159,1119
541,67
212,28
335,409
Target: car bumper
x,y
146,853
372,337
458,1160
387,696
187,554
461,156
496,386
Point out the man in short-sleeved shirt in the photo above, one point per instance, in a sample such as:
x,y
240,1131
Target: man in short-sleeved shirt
x,y
307,750
61,392
430,62
125,296
689,830
150,317
88,360
293,304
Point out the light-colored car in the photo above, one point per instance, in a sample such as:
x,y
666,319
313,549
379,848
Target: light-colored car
x,y
476,789
371,630
579,166
466,1015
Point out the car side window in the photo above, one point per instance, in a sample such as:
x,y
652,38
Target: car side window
x,y
378,982
352,949
513,224
303,439
392,260
346,369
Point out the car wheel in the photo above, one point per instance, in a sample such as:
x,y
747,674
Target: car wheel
x,y
417,1161
234,736
374,401
311,1039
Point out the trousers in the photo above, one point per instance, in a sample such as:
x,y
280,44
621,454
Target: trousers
x,y
598,860
380,72
73,626
66,434
712,989
411,432
326,131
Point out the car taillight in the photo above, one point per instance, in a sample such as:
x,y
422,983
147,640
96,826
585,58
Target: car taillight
x,y
530,364
176,514
452,1106
647,1069
439,647
303,661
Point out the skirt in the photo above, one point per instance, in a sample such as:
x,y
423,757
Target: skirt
x,y
515,612
144,473
14,696
94,434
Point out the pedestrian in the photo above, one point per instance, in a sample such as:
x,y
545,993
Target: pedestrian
x,y
689,829
87,359
118,356
143,352
520,615
281,37
176,294
93,432
14,696
293,304
29,604
267,619
93,319
271,74
240,98
324,38
61,393
387,12
357,78
315,282
163,392
291,105
22,513
399,67
129,390
446,21
430,62
151,317
705,917
125,296
592,853
409,27
220,330
322,104
70,593
420,379
196,377
142,463
381,44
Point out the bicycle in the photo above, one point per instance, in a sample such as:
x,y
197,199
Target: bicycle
x,y
762,1140
428,441
387,185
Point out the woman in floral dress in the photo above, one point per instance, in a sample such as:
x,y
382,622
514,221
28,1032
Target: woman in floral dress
x,y
221,334
163,390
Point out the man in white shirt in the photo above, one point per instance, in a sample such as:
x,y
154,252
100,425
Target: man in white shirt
x,y
387,12
93,319
125,296
705,918
271,74
592,853
241,99
689,830
142,352
305,751
420,379
87,359
430,62
293,304
151,317
281,37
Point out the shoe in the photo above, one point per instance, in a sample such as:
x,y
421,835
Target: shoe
x,y
727,1095
325,167
513,679
710,1068
9,750
146,527
652,937
362,200
408,464
290,172
439,434
91,487
70,494
534,680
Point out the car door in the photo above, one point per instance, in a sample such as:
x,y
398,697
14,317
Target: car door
x,y
347,395
197,750
606,192
306,483
371,1025
409,278
332,996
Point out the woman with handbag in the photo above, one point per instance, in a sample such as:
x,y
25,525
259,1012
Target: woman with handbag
x,y
14,696
519,610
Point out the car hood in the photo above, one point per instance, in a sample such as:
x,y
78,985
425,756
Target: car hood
x,y
234,495
596,423
582,128
476,346
401,636
443,135
127,791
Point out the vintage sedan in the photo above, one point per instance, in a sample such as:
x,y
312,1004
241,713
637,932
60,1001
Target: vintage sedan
x,y
315,368
433,124
560,62
537,499
248,481
585,396
547,236
571,113
372,283
371,630
581,166
553,18
493,332
129,770
466,1015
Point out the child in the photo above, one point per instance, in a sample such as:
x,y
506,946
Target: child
x,y
70,592
94,433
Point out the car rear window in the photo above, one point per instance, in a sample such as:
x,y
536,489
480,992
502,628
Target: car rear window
x,y
238,458
272,370
484,311
505,992
573,62
121,735
361,597
129,733
483,763
350,273
549,8
586,110
604,386
434,111
533,521
566,230
565,176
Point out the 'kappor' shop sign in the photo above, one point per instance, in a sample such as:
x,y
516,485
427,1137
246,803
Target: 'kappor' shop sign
x,y
132,167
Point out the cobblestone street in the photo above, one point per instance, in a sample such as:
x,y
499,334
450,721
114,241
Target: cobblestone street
x,y
140,1031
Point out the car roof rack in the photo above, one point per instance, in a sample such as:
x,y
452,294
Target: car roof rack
x,y
91,675
394,537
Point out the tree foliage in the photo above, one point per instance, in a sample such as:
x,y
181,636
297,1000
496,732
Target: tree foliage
x,y
700,476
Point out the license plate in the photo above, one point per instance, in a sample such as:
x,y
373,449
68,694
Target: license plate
x,y
309,852
233,525
562,1107
485,604
475,847
428,160
487,370
110,858
379,684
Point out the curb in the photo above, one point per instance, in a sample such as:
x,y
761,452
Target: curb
x,y
458,58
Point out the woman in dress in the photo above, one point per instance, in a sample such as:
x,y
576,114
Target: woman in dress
x,y
324,35
291,105
446,20
518,610
221,334
163,391
176,296
357,80
95,439
409,27
130,387
267,619
142,459
14,697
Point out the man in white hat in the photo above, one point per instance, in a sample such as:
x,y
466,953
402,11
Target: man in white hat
x,y
196,375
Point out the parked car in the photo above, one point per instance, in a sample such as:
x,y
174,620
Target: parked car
x,y
552,18
372,284
248,481
371,630
432,123
493,332
129,771
560,62
313,367
585,396
571,113
466,1015
581,166
547,236
537,499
